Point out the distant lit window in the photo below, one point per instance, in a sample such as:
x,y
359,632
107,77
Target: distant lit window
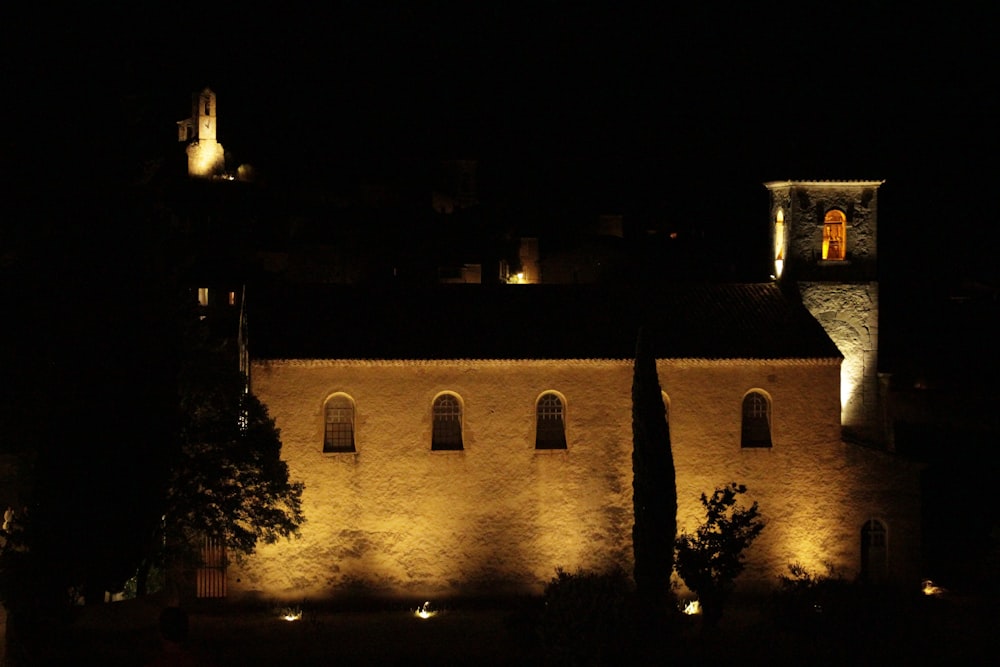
x,y
756,429
232,298
202,296
550,422
447,418
338,433
834,234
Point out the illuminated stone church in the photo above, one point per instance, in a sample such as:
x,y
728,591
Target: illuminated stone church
x,y
465,439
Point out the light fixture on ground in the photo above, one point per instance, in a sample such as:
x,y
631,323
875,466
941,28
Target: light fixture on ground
x,y
425,611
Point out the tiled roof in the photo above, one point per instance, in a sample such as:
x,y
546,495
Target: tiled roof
x,y
824,182
688,321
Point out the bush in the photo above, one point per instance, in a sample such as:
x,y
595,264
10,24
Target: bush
x,y
710,559
830,606
800,580
804,598
587,617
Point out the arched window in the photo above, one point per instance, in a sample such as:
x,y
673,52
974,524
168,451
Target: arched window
x,y
338,417
834,234
779,242
756,430
550,422
874,551
447,417
779,234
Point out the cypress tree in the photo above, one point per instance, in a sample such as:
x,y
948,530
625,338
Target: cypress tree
x,y
654,487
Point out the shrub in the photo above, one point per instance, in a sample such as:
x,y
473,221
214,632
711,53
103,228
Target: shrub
x,y
805,598
587,617
710,559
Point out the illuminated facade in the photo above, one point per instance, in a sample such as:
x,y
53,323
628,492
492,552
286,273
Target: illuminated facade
x,y
448,448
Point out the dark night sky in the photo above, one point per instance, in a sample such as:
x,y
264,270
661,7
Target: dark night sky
x,y
649,104
773,90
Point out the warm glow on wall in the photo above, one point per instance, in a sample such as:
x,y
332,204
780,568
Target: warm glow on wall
x,y
827,542
564,536
849,388
399,520
205,159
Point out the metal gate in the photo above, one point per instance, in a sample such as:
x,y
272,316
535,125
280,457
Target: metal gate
x,y
211,575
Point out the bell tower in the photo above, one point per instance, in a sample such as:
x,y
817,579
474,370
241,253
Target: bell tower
x,y
825,247
205,112
206,158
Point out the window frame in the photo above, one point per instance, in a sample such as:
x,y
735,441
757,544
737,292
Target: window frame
x,y
332,444
550,437
834,220
751,420
447,407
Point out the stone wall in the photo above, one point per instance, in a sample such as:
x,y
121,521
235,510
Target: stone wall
x,y
397,519
804,205
848,312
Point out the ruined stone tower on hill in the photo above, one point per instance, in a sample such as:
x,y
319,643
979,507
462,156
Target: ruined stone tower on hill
x,y
206,158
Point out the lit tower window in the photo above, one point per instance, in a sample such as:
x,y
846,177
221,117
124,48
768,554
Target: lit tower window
x,y
834,234
779,242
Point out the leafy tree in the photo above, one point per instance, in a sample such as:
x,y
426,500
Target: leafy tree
x,y
228,480
710,559
654,487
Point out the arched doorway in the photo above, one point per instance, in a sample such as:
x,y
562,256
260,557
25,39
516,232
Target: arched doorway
x,y
874,552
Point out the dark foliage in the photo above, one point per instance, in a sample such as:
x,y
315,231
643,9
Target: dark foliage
x,y
837,619
89,362
228,480
805,599
711,559
587,618
654,485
